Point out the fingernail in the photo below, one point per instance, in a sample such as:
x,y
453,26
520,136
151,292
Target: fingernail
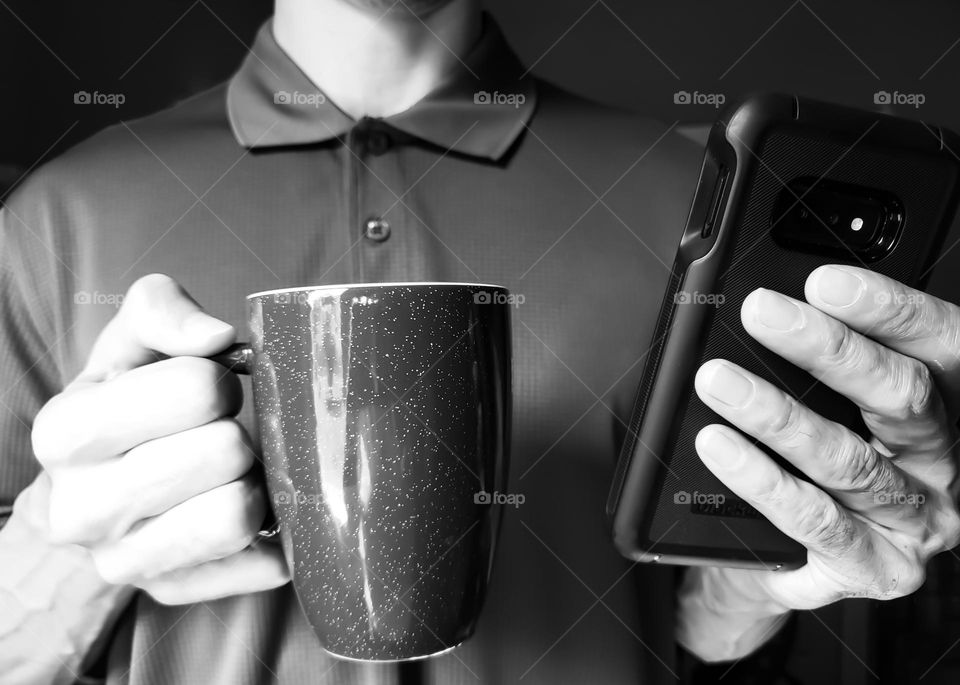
x,y
720,450
202,325
778,313
839,287
729,386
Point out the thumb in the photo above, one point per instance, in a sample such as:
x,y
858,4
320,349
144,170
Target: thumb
x,y
157,316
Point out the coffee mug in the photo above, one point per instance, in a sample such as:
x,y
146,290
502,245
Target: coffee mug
x,y
384,415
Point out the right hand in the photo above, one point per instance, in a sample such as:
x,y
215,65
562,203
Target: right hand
x,y
148,468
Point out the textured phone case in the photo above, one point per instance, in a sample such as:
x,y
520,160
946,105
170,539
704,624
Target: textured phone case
x,y
665,504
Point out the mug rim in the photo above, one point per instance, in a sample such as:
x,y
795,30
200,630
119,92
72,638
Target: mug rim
x,y
346,286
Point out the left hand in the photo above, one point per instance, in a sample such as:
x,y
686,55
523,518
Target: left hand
x,y
875,511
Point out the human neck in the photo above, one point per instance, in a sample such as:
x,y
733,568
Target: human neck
x,y
374,64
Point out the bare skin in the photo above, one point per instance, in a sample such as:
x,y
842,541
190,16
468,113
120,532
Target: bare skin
x,y
876,511
85,544
80,533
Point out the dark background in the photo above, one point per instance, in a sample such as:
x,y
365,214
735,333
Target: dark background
x,y
633,54
629,53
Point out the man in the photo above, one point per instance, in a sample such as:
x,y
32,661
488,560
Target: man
x,y
370,141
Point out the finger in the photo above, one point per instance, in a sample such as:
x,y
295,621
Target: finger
x,y
902,318
212,525
157,315
103,420
836,459
899,399
253,569
801,510
104,501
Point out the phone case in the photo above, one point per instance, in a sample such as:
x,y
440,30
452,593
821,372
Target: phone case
x,y
664,505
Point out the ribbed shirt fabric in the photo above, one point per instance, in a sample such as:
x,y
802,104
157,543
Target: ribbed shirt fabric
x,y
575,207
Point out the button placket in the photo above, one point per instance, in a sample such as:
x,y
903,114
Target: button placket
x,y
378,142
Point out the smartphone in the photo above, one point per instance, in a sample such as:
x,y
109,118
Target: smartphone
x,y
787,184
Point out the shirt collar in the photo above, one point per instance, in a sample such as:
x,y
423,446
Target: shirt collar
x,y
480,109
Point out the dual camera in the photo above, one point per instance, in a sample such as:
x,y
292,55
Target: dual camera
x,y
826,217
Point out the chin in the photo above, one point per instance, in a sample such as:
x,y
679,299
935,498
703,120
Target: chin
x,y
416,8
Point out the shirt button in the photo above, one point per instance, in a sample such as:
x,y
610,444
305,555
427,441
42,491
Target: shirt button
x,y
378,142
376,229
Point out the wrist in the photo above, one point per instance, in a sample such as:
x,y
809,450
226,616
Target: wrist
x,y
730,591
49,590
725,614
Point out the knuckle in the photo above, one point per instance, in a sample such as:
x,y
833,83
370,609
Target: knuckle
x,y
48,437
67,530
773,491
70,518
820,522
142,292
230,448
902,315
914,391
243,512
842,347
203,385
786,423
87,505
113,569
851,464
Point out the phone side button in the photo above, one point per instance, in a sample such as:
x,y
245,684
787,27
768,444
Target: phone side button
x,y
713,213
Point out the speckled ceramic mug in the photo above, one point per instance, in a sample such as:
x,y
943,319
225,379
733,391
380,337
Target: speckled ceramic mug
x,y
384,415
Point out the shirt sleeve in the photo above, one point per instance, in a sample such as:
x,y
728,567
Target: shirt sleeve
x,y
29,348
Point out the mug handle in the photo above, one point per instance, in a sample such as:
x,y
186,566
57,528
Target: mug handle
x,y
239,359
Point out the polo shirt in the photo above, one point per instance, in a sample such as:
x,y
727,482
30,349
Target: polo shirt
x,y
263,183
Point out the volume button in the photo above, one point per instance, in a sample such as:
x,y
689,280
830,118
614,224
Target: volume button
x,y
716,201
